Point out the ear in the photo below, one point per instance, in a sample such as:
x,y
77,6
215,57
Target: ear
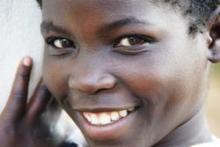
x,y
214,36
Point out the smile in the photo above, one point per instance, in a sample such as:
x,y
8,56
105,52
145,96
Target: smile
x,y
106,118
103,123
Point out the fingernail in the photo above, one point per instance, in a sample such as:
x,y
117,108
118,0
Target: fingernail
x,y
27,61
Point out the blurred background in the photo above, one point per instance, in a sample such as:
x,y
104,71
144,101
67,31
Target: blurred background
x,y
213,101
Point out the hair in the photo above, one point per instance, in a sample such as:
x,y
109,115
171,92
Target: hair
x,y
198,11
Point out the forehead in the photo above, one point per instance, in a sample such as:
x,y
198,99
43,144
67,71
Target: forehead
x,y
101,8
95,13
94,4
112,8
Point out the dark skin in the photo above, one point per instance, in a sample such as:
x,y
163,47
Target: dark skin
x,y
20,123
111,55
119,54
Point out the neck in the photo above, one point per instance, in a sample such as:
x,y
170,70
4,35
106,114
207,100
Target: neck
x,y
194,131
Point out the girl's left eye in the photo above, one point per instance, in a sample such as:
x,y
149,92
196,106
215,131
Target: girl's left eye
x,y
132,41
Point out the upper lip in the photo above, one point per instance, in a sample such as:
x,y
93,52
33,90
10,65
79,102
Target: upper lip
x,y
103,109
104,102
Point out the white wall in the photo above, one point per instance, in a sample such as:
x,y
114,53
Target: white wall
x,y
20,36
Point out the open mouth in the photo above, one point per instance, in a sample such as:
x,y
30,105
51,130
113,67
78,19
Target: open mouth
x,y
102,124
106,118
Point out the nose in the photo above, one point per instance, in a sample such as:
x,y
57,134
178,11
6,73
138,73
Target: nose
x,y
92,82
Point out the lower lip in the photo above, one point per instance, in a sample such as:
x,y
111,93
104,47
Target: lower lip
x,y
112,131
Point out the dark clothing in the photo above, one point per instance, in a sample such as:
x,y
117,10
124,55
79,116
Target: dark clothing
x,y
67,144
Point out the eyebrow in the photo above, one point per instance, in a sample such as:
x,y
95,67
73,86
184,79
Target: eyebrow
x,y
119,24
47,26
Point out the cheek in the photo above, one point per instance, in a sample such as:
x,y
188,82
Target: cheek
x,y
149,76
146,78
163,83
55,79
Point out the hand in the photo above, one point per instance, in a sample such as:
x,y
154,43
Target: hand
x,y
20,123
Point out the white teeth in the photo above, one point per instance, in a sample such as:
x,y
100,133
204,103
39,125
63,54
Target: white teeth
x,y
94,119
88,116
115,116
131,109
123,113
105,118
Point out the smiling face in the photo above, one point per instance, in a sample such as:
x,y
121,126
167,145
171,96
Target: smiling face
x,y
127,72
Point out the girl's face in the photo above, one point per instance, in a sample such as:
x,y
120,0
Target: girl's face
x,y
126,71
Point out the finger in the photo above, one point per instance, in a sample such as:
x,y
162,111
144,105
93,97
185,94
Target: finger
x,y
15,106
38,103
34,93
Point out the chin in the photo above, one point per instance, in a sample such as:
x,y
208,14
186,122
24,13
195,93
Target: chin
x,y
16,45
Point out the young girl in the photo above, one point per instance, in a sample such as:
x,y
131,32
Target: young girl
x,y
129,73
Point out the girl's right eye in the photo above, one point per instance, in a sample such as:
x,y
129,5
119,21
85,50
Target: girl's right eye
x,y
60,43
59,46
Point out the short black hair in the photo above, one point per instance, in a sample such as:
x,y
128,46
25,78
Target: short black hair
x,y
198,10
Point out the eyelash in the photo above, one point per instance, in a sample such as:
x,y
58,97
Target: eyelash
x,y
51,41
127,44
141,39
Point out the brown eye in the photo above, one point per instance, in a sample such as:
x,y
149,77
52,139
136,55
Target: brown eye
x,y
131,41
60,43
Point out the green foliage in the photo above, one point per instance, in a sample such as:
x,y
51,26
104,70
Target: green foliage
x,y
216,69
